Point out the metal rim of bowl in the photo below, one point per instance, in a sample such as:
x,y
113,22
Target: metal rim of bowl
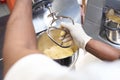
x,y
110,28
76,54
112,41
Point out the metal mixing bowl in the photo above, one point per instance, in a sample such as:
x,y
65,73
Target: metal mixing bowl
x,y
63,8
113,32
45,43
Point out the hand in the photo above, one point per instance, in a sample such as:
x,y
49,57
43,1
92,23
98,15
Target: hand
x,y
78,34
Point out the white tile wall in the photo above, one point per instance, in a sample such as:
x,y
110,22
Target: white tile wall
x,y
4,10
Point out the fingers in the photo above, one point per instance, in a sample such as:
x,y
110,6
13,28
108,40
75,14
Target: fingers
x,y
66,38
70,26
66,25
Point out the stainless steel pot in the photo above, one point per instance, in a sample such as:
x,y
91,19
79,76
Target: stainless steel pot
x,y
47,43
112,31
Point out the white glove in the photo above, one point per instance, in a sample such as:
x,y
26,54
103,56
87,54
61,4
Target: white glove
x,y
78,34
81,1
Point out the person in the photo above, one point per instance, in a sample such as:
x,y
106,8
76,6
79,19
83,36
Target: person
x,y
22,60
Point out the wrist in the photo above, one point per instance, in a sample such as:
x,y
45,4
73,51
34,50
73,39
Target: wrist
x,y
86,40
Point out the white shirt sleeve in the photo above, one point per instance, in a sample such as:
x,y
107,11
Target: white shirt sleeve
x,y
40,67
35,67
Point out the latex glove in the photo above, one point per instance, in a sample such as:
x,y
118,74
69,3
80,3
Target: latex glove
x,y
81,1
78,34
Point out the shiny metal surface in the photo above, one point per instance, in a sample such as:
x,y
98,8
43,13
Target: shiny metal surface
x,y
113,36
112,32
110,28
106,40
68,61
68,8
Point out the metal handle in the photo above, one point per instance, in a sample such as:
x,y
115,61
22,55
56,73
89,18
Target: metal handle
x,y
48,31
55,18
59,44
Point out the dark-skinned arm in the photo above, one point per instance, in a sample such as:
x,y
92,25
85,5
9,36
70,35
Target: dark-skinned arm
x,y
102,50
84,41
20,37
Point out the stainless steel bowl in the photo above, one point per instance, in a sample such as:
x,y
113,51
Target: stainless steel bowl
x,y
68,61
112,32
